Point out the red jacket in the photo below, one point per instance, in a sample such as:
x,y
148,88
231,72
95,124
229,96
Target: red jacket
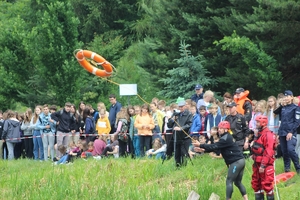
x,y
263,148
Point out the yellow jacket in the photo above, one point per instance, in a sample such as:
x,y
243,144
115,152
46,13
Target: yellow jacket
x,y
144,120
103,125
160,117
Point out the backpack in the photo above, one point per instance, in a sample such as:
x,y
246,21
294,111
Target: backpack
x,y
124,130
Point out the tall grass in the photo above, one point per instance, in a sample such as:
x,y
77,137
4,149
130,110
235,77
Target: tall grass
x,y
125,179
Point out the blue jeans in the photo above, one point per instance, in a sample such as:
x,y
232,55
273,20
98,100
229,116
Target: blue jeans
x,y
288,152
10,147
136,145
38,150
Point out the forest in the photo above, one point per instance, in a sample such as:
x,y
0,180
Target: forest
x,y
165,47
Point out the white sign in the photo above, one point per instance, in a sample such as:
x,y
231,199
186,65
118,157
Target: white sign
x,y
128,89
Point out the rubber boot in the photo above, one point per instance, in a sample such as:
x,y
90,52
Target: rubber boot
x,y
270,197
259,196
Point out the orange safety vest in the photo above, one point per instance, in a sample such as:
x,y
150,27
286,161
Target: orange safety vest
x,y
241,101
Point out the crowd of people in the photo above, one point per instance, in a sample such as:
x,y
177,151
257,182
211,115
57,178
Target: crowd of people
x,y
230,129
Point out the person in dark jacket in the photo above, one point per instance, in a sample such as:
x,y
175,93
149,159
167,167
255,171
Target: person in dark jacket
x,y
181,124
11,133
232,155
66,124
290,120
113,110
239,128
198,93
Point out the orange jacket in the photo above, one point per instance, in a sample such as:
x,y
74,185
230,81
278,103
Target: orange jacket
x,y
241,101
144,120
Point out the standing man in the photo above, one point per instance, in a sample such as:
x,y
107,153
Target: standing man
x,y
181,124
198,93
244,105
263,154
240,130
290,120
66,124
113,110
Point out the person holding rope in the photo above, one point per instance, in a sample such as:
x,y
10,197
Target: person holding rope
x,y
263,154
181,123
232,155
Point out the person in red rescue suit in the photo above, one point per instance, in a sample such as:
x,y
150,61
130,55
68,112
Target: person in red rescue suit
x,y
263,149
244,105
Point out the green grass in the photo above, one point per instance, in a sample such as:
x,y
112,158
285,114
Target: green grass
x,y
125,179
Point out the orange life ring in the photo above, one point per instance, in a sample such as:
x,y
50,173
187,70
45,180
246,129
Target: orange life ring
x,y
284,177
82,54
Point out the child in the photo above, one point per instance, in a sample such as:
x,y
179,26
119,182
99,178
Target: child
x,y
196,125
103,124
213,132
99,145
201,140
158,149
90,147
73,148
216,153
212,119
202,115
65,158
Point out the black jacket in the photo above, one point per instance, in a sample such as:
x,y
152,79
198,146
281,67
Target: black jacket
x,y
184,121
229,149
1,128
238,126
66,121
248,110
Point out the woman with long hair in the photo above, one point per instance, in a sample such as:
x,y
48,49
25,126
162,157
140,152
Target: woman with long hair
x,y
27,131
273,120
78,124
122,121
38,150
144,123
11,133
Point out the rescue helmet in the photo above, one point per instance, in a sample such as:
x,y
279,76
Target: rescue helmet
x,y
224,124
263,120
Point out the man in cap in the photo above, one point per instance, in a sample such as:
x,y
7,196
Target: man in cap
x,y
198,93
239,128
244,105
290,120
180,122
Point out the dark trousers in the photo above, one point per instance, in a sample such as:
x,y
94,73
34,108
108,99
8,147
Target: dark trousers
x,y
289,153
145,141
106,149
122,148
28,144
181,151
18,150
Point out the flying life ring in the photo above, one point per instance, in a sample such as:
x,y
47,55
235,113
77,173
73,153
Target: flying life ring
x,y
81,56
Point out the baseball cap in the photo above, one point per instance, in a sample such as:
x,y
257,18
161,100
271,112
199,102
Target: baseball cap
x,y
231,104
239,90
181,103
179,99
198,87
288,93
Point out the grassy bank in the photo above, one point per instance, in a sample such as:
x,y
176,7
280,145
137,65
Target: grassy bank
x,y
125,179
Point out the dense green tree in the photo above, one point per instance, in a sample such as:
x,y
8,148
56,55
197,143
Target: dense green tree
x,y
189,72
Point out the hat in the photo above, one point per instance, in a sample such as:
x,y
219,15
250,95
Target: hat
x,y
288,93
181,103
239,90
231,104
179,99
198,87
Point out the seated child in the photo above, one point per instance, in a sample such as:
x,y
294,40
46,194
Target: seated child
x,y
112,148
84,150
158,149
192,153
90,147
213,132
65,158
99,145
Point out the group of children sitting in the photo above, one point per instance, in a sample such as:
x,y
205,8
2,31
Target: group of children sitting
x,y
97,148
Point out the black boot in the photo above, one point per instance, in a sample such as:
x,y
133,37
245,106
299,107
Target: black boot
x,y
270,197
259,196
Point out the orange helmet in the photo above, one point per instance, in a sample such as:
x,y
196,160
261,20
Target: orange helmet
x,y
224,124
263,120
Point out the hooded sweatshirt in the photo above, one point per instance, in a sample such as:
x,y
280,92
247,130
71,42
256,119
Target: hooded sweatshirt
x,y
11,130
